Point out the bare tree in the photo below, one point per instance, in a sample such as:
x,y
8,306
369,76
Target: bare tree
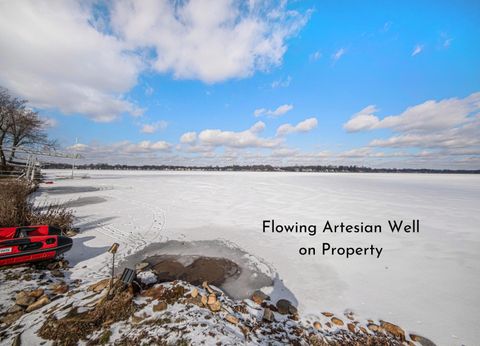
x,y
20,127
8,106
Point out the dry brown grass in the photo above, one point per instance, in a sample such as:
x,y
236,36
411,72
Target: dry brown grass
x,y
17,208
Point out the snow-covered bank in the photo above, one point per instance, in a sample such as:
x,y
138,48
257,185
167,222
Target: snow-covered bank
x,y
426,282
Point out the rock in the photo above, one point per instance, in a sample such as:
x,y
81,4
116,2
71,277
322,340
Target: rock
x,y
53,266
373,327
14,309
212,298
99,286
141,266
57,273
36,293
216,306
283,306
23,298
231,319
204,300
207,287
258,297
393,329
317,325
194,293
160,306
336,321
11,318
327,314
38,304
364,330
72,232
351,327
268,315
293,310
421,340
137,319
61,288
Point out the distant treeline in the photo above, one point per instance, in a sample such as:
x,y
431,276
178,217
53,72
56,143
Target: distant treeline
x,y
259,168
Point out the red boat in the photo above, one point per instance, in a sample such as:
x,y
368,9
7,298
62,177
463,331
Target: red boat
x,y
31,243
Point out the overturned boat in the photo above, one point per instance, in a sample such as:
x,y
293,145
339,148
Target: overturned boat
x,y
31,243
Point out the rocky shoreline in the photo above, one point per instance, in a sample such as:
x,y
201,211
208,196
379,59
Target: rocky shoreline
x,y
169,313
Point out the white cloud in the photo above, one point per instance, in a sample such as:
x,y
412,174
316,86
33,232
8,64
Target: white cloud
x,y
188,138
149,90
123,148
79,147
387,26
303,126
281,83
242,139
315,56
417,49
280,110
363,120
338,54
55,58
49,122
154,127
446,40
229,40
78,59
451,125
429,115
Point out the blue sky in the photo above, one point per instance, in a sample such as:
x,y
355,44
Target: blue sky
x,y
377,83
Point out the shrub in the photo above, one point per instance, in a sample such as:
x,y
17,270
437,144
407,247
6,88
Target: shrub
x,y
18,209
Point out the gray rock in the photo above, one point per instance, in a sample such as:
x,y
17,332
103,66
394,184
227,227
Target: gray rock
x,y
268,315
57,273
14,309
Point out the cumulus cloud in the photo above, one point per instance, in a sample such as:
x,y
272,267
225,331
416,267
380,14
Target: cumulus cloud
x,y
55,57
154,127
429,115
451,125
242,139
363,120
121,148
188,138
303,126
78,59
417,49
280,110
231,39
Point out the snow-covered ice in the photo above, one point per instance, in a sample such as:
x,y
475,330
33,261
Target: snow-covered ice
x,y
427,282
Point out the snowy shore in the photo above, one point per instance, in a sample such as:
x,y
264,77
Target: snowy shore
x,y
426,282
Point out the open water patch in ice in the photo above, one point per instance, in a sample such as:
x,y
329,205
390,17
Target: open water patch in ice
x,y
250,273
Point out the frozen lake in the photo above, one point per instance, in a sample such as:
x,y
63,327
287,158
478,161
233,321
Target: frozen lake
x,y
427,282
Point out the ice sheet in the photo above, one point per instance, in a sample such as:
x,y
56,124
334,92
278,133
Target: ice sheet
x,y
426,282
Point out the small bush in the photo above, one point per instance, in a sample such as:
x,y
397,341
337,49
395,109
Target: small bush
x,y
17,208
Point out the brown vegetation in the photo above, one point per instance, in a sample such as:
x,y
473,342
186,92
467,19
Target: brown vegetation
x,y
17,208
